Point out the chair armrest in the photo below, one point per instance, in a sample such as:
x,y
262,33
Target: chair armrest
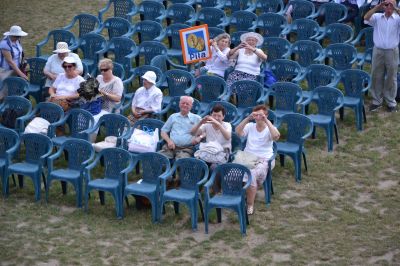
x,y
104,10
40,45
249,179
202,181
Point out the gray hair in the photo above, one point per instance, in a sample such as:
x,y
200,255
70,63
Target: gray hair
x,y
188,97
222,36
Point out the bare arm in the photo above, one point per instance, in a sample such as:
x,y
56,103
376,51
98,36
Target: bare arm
x,y
273,130
169,141
240,127
11,63
373,10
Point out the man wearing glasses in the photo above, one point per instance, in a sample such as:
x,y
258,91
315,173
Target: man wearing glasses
x,y
385,55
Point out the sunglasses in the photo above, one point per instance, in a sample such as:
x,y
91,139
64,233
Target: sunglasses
x,y
68,66
104,69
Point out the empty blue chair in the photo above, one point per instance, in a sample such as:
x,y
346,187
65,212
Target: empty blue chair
x,y
336,33
305,29
342,55
80,153
86,23
236,5
117,164
171,34
37,78
92,45
122,8
286,70
213,17
248,93
148,50
37,148
301,9
192,173
233,192
276,47
240,20
355,82
287,96
210,88
59,35
15,86
272,6
307,52
364,43
155,167
115,27
332,12
179,83
151,10
179,13
214,32
270,24
328,101
9,143
124,50
146,30
20,105
219,4
299,128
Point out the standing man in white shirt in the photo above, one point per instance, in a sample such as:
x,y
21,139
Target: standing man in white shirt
x,y
385,55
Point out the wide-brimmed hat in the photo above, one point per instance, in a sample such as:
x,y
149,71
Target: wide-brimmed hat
x,y
150,76
15,31
255,35
69,60
62,47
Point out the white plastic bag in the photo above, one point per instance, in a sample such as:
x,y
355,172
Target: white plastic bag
x,y
109,142
143,141
37,125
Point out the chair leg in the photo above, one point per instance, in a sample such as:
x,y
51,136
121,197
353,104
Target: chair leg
x,y
101,195
201,209
313,133
44,180
13,178
305,161
341,113
364,115
176,207
21,181
282,159
64,187
219,214
336,133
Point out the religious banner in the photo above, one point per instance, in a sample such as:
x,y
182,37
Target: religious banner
x,y
195,44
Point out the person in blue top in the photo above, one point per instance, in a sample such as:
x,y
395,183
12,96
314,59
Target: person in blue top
x,y
179,142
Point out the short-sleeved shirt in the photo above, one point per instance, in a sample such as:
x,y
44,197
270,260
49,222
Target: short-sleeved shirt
x,y
148,99
249,64
65,86
114,86
54,65
14,48
258,143
386,30
179,127
213,134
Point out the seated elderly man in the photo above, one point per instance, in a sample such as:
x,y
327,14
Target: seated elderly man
x,y
179,142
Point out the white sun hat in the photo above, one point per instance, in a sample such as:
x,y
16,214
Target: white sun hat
x,y
69,60
15,31
62,47
255,35
150,76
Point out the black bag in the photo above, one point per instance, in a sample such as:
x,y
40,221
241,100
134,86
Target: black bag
x,y
9,117
88,89
398,88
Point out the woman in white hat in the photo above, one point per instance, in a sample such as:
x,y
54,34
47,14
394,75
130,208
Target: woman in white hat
x,y
54,63
11,53
249,58
110,86
147,99
64,90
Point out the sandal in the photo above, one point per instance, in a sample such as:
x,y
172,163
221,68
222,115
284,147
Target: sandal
x,y
250,210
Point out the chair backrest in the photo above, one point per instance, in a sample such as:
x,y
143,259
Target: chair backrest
x,y
319,75
174,105
179,81
116,26
122,47
214,32
36,145
209,3
150,10
342,55
36,66
271,24
365,34
231,176
79,120
231,112
299,127
211,16
150,49
20,105
190,171
334,12
118,70
90,44
306,51
172,32
122,8
153,165
276,47
210,88
115,161
339,33
87,23
49,111
179,13
355,82
236,142
301,8
8,139
305,28
247,92
58,35
285,69
328,99
235,38
273,6
286,95
15,86
236,5
149,123
79,150
147,30
140,70
114,124
242,20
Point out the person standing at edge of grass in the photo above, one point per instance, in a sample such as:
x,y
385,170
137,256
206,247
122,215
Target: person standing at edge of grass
x,y
385,55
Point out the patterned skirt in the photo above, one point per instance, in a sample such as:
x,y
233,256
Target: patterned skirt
x,y
236,76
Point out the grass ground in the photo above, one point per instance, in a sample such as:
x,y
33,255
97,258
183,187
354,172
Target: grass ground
x,y
344,212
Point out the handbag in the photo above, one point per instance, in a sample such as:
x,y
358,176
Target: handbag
x,y
109,142
37,125
143,140
65,104
246,159
93,107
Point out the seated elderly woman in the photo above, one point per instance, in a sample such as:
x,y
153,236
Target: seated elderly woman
x,y
260,136
64,89
110,86
217,134
219,61
147,99
249,58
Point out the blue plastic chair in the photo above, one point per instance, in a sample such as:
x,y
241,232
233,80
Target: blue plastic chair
x,y
214,32
211,3
19,104
155,167
179,13
355,82
299,127
117,164
81,153
171,34
9,143
286,70
86,23
58,35
77,122
332,12
287,97
210,88
37,148
248,93
49,111
270,24
212,16
164,63
276,47
192,174
304,28
301,9
236,5
148,50
364,43
151,10
115,27
240,21
37,78
328,101
341,56
179,83
272,6
92,46
146,30
233,193
122,8
15,86
307,52
336,33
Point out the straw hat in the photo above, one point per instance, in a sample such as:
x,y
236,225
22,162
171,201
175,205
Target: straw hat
x,y
62,47
150,76
255,35
15,31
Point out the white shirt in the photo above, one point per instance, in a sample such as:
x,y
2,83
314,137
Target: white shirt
x,y
249,64
54,65
258,143
218,62
148,99
65,86
386,30
216,135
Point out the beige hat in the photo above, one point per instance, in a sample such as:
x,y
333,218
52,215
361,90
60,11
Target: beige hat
x,y
255,35
15,31
62,47
69,60
150,76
